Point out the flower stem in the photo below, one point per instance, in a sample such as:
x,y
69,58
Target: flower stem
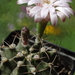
x,y
41,27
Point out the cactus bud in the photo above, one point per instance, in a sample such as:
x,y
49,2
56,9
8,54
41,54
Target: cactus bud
x,y
25,35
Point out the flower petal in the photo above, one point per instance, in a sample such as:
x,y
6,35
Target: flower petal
x,y
67,1
35,10
70,10
22,1
37,17
28,9
44,12
33,2
52,9
59,3
53,18
64,11
61,16
52,1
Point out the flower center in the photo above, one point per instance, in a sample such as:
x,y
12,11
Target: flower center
x,y
46,1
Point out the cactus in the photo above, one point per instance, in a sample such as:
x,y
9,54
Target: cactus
x,y
29,57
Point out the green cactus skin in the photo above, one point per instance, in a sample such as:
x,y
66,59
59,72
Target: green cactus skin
x,y
27,59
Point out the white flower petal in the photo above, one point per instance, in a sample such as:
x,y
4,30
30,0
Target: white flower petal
x,y
44,12
35,10
64,11
65,5
37,17
59,4
22,1
67,1
53,18
52,9
28,9
61,16
33,2
52,1
70,10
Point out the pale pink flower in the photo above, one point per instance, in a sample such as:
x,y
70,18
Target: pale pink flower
x,y
49,10
22,1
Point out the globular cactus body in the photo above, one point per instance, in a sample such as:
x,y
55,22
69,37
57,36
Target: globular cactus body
x,y
30,58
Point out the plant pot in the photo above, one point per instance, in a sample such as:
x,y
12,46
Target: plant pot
x,y
64,60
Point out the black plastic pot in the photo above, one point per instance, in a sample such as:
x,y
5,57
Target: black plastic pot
x,y
67,57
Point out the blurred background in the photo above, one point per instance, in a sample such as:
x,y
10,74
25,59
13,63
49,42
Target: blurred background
x,y
14,17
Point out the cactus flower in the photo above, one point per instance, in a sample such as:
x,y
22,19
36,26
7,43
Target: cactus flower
x,y
50,10
44,11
